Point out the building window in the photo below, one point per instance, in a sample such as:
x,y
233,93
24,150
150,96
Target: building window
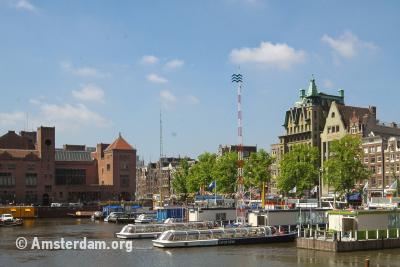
x,y
372,159
379,170
329,129
47,188
11,166
337,128
333,115
30,196
6,179
379,158
70,176
365,160
108,167
391,157
31,179
124,180
124,166
31,166
373,169
378,149
372,149
365,150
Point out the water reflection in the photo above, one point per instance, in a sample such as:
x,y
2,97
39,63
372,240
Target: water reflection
x,y
272,255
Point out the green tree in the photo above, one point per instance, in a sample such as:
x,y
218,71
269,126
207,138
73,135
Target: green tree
x,y
180,182
344,167
200,174
225,172
299,167
256,169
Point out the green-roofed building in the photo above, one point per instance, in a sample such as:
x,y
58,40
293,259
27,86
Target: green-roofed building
x,y
304,121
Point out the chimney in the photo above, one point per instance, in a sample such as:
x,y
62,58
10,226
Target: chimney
x,y
372,109
341,93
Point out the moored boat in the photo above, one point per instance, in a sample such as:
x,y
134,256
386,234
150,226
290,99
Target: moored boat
x,y
145,218
222,237
131,231
9,220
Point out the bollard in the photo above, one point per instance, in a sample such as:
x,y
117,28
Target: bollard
x,y
298,232
366,234
356,235
279,228
289,229
377,234
397,232
366,262
387,233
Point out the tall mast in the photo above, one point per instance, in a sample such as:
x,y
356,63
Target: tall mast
x,y
240,205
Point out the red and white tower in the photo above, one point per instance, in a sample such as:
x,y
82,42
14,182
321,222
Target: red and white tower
x,y
240,204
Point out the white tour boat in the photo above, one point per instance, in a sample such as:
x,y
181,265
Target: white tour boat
x,y
220,237
132,231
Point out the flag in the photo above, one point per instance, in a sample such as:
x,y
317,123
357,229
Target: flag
x,y
393,185
314,190
212,185
365,188
294,190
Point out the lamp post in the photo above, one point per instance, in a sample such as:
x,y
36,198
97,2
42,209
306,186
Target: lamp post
x,y
319,187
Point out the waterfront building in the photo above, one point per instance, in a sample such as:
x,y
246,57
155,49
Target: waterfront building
x,y
33,171
362,122
382,157
155,179
304,122
247,150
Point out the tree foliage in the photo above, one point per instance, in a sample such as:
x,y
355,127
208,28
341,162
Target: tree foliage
x,y
344,166
299,168
225,172
180,182
201,174
256,169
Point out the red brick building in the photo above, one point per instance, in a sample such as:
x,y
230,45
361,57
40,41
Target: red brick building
x,y
32,170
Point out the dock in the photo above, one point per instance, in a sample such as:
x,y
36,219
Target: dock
x,y
348,241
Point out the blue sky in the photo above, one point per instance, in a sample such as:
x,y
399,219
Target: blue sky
x,y
97,68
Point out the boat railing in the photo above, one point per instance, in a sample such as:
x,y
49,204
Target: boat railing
x,y
130,228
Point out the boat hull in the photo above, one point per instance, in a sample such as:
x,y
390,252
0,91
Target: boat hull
x,y
226,241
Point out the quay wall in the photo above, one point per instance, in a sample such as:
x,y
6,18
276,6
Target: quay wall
x,y
347,246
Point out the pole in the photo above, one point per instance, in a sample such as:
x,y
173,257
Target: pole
x,y
320,189
263,196
215,194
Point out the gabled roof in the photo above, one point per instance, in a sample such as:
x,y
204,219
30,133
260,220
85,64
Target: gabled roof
x,y
348,112
119,144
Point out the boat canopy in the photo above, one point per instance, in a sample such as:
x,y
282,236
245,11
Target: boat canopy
x,y
178,235
155,228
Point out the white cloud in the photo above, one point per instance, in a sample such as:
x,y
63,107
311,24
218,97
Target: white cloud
x,y
193,99
168,99
155,78
347,45
277,55
149,59
89,92
175,63
12,118
83,71
328,84
69,116
24,5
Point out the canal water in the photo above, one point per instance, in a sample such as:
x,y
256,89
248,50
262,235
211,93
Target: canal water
x,y
143,254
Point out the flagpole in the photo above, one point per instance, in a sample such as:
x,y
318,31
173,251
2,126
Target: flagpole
x,y
215,188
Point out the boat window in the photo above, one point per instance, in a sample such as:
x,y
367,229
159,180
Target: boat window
x,y
193,236
179,236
